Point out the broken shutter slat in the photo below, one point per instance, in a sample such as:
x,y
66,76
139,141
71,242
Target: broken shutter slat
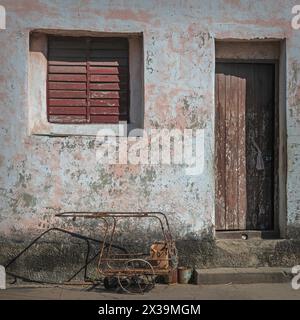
x,y
85,77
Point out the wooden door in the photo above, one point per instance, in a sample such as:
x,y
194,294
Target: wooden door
x,y
245,124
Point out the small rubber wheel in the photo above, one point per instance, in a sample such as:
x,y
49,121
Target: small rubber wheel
x,y
110,283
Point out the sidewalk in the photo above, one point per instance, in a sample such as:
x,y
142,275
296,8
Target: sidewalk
x,y
160,292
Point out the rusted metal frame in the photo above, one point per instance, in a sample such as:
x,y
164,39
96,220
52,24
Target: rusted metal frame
x,y
88,261
131,270
120,214
114,215
128,254
108,248
143,214
104,242
125,272
108,254
97,214
124,259
112,235
126,215
168,242
85,269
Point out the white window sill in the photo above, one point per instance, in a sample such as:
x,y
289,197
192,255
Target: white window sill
x,y
63,130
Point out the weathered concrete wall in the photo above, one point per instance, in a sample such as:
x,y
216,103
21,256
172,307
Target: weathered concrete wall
x,y
42,175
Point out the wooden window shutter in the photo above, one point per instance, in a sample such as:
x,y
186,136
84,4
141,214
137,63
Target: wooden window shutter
x,y
88,80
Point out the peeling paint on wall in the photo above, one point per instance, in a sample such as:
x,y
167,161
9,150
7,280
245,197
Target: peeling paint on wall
x,y
42,175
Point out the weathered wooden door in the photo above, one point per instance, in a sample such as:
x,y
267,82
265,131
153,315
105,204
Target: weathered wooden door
x,y
245,124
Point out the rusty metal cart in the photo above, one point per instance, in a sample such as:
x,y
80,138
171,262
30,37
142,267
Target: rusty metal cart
x,y
132,272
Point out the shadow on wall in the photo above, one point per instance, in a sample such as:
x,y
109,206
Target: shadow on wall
x,y
70,257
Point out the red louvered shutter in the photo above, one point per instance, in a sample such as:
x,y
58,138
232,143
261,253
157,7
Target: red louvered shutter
x,y
88,80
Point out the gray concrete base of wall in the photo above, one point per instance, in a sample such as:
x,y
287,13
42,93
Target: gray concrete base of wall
x,y
251,253
57,260
242,275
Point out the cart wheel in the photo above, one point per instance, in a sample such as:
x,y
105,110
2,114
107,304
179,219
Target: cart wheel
x,y
138,276
110,283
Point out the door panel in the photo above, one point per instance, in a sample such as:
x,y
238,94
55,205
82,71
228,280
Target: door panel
x,y
260,133
244,146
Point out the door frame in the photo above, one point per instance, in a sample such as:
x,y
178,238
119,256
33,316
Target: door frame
x,y
279,161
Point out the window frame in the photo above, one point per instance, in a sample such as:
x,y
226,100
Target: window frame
x,y
36,104
125,118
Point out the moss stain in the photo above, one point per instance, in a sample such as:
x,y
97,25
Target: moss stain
x,y
29,200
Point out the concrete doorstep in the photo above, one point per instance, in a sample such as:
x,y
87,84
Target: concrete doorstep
x,y
243,275
2,278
